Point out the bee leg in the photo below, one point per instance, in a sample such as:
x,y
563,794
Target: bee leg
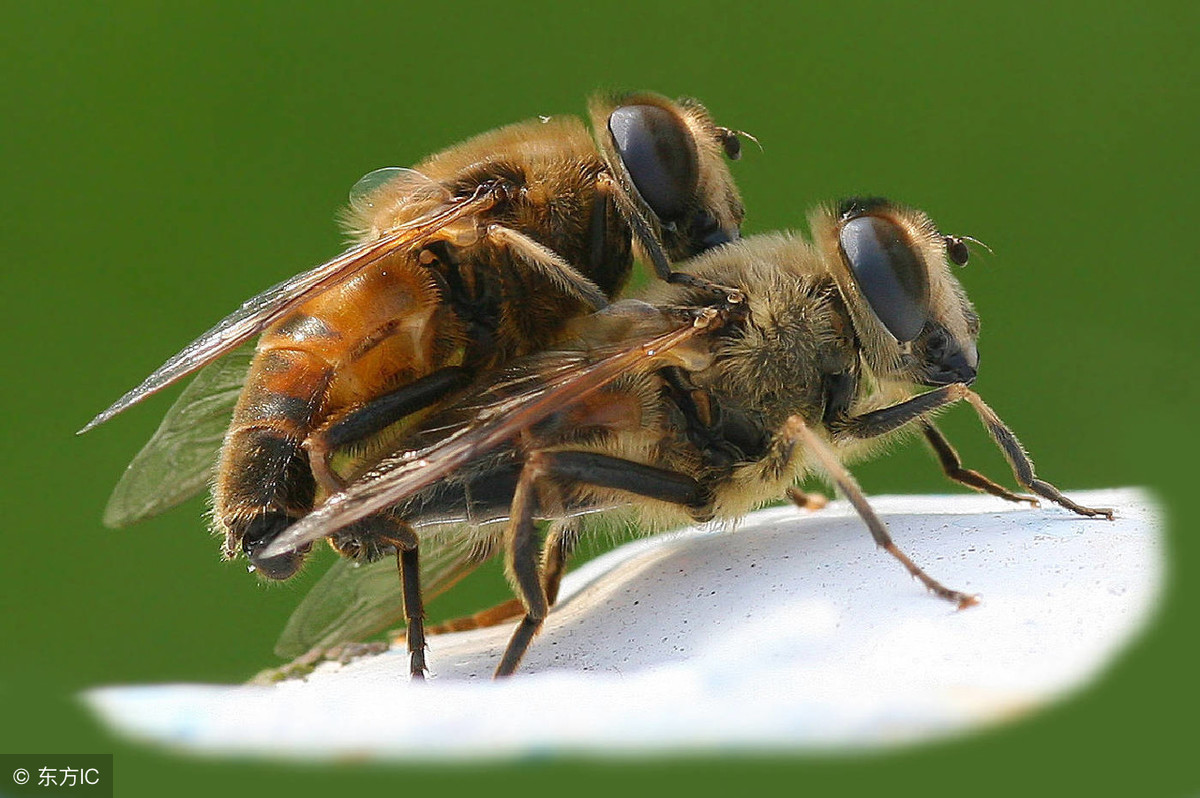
x,y
414,611
889,419
806,501
589,468
1022,466
522,565
361,422
798,431
952,464
643,232
879,422
560,541
484,619
609,251
408,564
549,265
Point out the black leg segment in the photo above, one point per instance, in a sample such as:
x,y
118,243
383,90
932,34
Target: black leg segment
x,y
952,464
605,471
383,411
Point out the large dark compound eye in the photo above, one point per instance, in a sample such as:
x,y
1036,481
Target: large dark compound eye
x,y
660,155
890,274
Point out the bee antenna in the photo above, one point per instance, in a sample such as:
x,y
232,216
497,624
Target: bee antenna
x,y
975,240
746,135
957,250
728,137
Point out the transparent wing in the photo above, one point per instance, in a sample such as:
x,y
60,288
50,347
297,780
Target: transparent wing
x,y
178,460
259,312
399,477
354,601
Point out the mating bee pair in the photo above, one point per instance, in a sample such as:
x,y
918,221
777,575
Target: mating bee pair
x,y
464,371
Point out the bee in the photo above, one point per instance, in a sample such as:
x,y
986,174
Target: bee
x,y
476,256
684,410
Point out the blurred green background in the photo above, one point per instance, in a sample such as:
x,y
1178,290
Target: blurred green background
x,y
160,163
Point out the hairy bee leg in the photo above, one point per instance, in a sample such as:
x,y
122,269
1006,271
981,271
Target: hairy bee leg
x,y
589,468
887,419
643,231
522,565
952,465
556,551
648,239
796,429
806,501
598,225
492,616
408,566
606,471
549,265
360,423
1022,466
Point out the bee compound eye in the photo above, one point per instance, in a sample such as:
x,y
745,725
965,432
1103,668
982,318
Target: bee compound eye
x,y
889,272
660,155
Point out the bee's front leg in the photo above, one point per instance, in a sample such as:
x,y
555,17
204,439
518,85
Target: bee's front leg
x,y
952,466
797,431
886,420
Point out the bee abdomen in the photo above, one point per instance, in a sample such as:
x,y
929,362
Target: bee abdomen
x,y
267,470
263,474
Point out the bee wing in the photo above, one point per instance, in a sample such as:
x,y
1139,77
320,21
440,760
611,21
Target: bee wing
x,y
258,312
178,460
402,475
354,601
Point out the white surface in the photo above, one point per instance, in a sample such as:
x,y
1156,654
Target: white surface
x,y
793,632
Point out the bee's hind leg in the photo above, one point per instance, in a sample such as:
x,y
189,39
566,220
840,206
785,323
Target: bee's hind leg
x,y
589,468
362,421
408,564
560,542
522,565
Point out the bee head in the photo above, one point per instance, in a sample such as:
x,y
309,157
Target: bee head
x,y
893,267
670,159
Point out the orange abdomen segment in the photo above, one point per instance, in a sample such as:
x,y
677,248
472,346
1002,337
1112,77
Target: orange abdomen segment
x,y
346,346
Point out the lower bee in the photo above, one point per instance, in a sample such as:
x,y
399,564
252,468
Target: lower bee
x,y
686,411
478,255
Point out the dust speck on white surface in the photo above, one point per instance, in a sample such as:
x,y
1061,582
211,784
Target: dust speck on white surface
x,y
791,633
